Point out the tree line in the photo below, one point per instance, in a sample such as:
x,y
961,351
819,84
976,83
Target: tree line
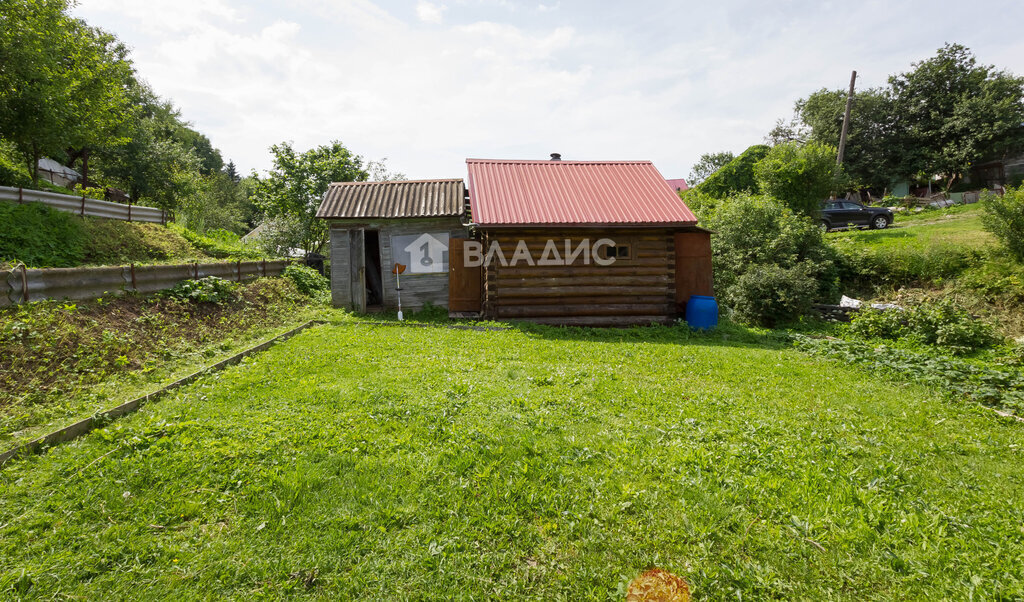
x,y
930,124
69,91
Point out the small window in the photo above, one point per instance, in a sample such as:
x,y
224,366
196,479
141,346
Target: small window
x,y
615,252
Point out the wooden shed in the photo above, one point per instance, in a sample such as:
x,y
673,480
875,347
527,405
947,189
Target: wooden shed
x,y
593,243
374,225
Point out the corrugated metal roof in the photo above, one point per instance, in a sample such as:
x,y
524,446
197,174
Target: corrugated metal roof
x,y
678,184
398,199
506,193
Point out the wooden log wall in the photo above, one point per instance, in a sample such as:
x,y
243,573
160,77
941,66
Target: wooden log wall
x,y
635,290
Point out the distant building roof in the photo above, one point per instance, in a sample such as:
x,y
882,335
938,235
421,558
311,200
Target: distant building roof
x,y
398,199
507,193
678,184
49,165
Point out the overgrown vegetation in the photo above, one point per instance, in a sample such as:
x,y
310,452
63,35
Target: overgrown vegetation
x,y
39,236
1004,218
801,175
43,237
363,462
736,176
944,324
52,352
309,282
770,264
1000,385
211,289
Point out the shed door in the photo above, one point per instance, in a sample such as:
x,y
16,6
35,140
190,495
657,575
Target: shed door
x,y
693,266
465,284
357,254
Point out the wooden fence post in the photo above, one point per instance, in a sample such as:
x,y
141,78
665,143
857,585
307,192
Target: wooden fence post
x,y
83,205
129,212
21,198
135,286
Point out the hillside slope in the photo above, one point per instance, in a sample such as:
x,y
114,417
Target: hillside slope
x,y
42,237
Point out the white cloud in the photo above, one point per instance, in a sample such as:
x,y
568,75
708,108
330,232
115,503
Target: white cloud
x,y
608,81
429,12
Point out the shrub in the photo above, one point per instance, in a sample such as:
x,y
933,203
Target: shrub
x,y
942,324
309,281
1004,218
736,176
13,174
801,175
770,264
769,294
40,236
210,289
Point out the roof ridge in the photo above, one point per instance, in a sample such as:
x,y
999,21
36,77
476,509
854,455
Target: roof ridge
x,y
398,181
565,161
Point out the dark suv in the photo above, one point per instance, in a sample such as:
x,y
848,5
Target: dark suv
x,y
841,213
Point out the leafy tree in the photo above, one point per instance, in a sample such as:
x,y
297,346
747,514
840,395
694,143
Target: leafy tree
x,y
934,120
219,203
800,175
708,164
870,146
784,132
952,111
770,263
62,83
294,187
736,176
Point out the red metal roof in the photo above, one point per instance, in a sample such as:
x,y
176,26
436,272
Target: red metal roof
x,y
507,193
678,184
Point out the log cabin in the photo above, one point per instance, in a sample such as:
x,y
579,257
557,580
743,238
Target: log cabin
x,y
587,243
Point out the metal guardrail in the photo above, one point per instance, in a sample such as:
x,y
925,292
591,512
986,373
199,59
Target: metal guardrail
x,y
84,205
23,285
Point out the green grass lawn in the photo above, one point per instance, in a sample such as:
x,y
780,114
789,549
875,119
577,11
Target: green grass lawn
x,y
369,462
956,227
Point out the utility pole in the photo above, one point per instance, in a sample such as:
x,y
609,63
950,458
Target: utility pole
x,y
846,120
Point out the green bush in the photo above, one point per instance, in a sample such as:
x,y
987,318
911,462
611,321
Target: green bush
x,y
13,174
309,281
736,176
1004,218
770,264
40,236
770,294
218,243
210,289
801,175
942,324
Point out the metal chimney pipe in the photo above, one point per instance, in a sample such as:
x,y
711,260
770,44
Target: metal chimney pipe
x,y
556,157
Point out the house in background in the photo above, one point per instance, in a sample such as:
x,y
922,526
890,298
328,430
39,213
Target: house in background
x,y
627,249
57,174
679,185
374,225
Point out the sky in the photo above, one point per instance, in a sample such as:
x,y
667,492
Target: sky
x,y
427,84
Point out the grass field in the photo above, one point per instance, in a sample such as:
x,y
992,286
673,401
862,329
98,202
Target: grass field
x,y
958,226
397,463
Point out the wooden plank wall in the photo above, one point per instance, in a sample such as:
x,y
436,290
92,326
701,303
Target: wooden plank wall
x,y
341,291
693,266
638,290
417,289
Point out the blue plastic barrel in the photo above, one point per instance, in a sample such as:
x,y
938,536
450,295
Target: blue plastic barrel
x,y
702,312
